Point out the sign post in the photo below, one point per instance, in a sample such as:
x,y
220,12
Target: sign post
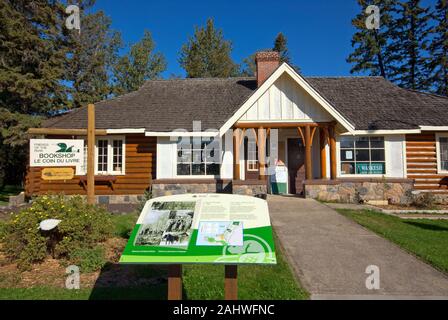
x,y
231,282
218,229
175,282
91,154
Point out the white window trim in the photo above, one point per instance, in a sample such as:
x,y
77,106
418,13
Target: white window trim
x,y
194,177
439,160
338,160
109,152
110,160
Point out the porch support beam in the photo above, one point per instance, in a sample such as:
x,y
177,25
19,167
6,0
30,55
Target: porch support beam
x,y
262,153
236,153
308,160
333,171
323,151
273,125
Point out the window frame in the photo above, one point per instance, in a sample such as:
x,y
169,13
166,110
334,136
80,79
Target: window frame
x,y
192,176
110,157
252,165
438,149
351,175
110,171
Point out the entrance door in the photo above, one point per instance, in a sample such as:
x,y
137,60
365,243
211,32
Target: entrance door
x,y
296,165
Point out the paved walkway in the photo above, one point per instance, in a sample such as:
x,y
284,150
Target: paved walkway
x,y
330,254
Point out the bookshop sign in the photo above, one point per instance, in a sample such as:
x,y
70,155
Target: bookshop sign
x,y
56,153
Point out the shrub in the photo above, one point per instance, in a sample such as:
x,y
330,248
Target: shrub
x,y
424,201
88,259
124,224
146,197
83,226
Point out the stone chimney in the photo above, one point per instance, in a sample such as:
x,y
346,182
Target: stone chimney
x,y
267,62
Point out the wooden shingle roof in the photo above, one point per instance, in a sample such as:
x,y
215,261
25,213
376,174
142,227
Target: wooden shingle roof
x,y
370,103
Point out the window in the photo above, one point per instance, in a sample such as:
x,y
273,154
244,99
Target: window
x,y
109,156
197,157
442,153
82,170
102,149
117,153
252,154
362,156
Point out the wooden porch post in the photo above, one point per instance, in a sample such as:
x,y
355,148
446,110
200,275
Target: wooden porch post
x,y
262,153
333,153
236,153
91,154
308,161
323,151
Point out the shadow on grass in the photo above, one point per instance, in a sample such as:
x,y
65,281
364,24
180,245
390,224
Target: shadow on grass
x,y
427,226
130,282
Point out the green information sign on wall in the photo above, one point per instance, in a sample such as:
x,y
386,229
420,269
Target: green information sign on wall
x,y
370,168
203,228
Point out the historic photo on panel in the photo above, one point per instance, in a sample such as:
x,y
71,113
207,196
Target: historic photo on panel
x,y
167,224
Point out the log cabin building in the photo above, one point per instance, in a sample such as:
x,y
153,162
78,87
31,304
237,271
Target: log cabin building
x,y
341,139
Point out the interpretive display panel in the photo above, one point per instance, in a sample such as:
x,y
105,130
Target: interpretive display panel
x,y
202,228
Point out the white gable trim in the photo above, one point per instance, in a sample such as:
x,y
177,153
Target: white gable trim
x,y
285,68
182,134
122,131
381,132
434,128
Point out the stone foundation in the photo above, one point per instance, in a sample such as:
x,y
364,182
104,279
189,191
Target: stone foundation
x,y
441,198
250,188
162,188
395,191
118,199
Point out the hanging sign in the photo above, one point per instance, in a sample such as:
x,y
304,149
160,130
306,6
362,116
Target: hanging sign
x,y
52,174
206,228
56,153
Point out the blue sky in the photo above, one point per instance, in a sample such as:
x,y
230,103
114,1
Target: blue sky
x,y
318,31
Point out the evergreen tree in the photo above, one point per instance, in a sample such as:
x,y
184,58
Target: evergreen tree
x,y
249,67
280,45
438,60
373,53
32,55
94,52
140,64
411,41
13,145
207,54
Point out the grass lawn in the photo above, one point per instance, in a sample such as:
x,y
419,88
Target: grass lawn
x,y
200,282
8,191
427,239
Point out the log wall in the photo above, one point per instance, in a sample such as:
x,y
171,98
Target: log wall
x,y
421,157
140,168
